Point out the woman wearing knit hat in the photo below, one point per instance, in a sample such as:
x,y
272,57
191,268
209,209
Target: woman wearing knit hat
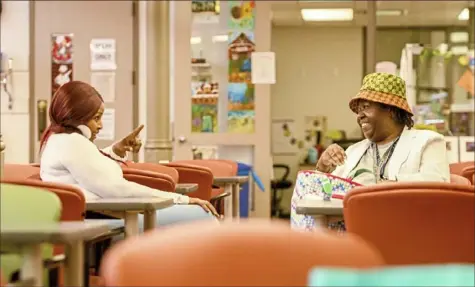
x,y
392,150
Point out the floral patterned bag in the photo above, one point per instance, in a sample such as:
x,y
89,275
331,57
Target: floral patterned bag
x,y
317,183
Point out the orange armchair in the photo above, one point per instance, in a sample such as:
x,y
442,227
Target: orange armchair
x,y
19,171
249,253
469,173
457,168
158,168
457,179
414,223
72,200
218,168
151,179
193,172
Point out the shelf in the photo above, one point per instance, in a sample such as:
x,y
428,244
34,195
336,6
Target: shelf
x,y
200,65
204,75
200,96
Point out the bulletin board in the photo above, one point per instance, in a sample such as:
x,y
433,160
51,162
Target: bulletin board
x,y
282,141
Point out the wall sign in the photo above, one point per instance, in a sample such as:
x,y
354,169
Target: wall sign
x,y
103,55
61,60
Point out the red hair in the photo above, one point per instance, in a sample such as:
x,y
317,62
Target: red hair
x,y
74,103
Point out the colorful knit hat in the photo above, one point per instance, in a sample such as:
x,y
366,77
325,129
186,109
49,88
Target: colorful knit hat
x,y
382,88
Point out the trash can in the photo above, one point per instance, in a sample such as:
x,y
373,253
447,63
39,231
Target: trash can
x,y
247,188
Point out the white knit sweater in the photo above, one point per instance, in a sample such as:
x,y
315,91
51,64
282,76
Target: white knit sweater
x,y
73,159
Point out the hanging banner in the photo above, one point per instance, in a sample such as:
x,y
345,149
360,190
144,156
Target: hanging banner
x,y
241,45
61,60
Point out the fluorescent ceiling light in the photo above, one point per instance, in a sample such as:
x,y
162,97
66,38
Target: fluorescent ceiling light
x,y
195,40
219,38
459,37
390,12
345,14
464,15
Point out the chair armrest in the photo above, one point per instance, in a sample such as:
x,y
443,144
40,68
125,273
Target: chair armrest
x,y
220,197
151,179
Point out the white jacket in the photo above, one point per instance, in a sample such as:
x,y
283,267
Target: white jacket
x,y
73,159
420,155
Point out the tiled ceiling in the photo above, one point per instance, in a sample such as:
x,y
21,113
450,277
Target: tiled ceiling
x,y
419,13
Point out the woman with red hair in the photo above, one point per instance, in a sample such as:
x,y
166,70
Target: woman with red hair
x,y
69,156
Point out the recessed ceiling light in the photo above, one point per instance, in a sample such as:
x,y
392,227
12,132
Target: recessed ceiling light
x,y
327,14
195,40
219,38
464,15
390,12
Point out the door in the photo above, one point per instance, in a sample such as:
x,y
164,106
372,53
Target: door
x,y
87,20
204,122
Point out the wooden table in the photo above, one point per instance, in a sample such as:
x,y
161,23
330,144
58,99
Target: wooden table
x,y
185,188
307,166
28,240
321,210
231,184
129,208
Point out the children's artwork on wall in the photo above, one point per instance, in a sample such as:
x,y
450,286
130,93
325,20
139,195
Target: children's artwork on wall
x,y
241,121
240,97
204,111
61,60
240,88
204,107
242,15
241,46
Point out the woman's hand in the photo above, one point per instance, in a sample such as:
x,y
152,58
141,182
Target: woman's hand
x,y
130,143
206,205
332,157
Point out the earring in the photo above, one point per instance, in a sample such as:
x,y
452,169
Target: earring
x,y
85,131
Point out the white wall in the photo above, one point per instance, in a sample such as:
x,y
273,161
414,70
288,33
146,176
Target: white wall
x,y
14,32
318,71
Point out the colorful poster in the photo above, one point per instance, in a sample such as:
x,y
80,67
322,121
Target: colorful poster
x,y
61,60
241,121
240,88
204,107
242,15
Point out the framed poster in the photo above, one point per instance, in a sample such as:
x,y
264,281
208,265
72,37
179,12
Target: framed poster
x,y
283,141
467,148
452,144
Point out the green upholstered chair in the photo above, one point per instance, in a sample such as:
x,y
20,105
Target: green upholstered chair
x,y
409,275
25,205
